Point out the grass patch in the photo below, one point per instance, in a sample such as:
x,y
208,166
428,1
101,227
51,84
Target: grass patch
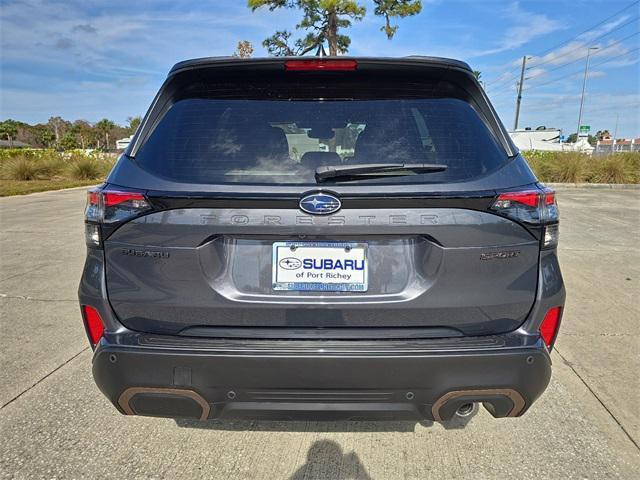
x,y
571,167
22,168
27,171
85,168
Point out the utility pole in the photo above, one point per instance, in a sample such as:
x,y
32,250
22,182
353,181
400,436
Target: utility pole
x,y
524,64
615,135
584,85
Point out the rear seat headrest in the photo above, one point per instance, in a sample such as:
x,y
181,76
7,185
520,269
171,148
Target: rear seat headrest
x,y
318,159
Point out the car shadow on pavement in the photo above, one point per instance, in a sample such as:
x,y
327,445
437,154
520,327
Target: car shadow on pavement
x,y
325,459
455,423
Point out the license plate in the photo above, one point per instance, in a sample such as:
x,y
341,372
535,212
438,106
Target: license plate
x,y
320,266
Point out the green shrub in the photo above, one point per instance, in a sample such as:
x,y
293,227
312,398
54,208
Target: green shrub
x,y
614,169
570,169
22,168
573,167
51,166
85,168
7,154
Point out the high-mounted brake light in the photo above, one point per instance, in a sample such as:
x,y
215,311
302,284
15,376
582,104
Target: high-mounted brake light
x,y
106,207
93,324
320,65
549,326
532,206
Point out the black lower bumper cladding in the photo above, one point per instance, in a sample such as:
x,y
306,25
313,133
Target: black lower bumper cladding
x,y
319,380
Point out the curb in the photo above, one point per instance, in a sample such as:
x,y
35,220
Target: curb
x,y
86,187
610,186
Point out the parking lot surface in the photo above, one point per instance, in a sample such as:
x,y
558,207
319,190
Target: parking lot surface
x,y
54,423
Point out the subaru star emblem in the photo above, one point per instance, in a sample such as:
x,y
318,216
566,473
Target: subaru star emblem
x,y
320,204
290,263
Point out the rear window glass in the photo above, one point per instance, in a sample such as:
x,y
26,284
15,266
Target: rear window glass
x,y
216,141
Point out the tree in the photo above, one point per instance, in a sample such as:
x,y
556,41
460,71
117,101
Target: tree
x,y
68,141
602,134
574,137
395,8
104,127
244,49
134,123
47,137
9,130
83,132
59,126
478,75
323,20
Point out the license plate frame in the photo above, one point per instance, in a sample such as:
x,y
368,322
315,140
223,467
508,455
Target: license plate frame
x,y
283,279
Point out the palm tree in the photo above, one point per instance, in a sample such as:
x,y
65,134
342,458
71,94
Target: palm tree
x,y
105,126
478,75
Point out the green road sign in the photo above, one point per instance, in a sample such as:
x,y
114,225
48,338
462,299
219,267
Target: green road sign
x,y
585,128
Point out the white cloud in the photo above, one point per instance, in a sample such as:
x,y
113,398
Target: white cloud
x,y
526,26
64,56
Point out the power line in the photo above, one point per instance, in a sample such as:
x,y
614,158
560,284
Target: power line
x,y
583,57
578,71
571,62
535,65
590,28
513,77
502,81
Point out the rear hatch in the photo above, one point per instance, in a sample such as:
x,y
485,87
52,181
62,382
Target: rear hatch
x,y
243,238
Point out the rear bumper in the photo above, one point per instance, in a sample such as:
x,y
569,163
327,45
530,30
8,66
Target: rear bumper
x,y
320,380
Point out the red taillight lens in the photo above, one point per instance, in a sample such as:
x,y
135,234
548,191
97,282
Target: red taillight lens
x,y
549,197
106,206
549,326
537,207
320,65
93,209
93,197
93,324
112,198
530,198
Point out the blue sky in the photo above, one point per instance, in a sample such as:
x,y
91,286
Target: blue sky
x,y
92,59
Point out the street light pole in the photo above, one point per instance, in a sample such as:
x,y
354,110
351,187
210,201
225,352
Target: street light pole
x,y
584,86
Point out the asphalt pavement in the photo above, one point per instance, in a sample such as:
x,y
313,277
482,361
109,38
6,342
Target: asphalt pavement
x,y
54,423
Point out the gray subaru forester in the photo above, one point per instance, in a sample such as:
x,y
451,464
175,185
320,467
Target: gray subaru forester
x,y
321,238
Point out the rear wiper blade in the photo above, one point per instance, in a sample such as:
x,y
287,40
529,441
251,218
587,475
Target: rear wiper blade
x,y
327,172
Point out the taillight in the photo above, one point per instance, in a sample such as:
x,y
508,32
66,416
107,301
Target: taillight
x,y
320,65
549,326
532,206
108,207
93,324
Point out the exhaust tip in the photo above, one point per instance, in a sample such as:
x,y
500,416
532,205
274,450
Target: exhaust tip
x,y
465,410
164,402
500,402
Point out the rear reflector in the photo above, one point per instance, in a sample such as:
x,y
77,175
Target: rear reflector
x,y
320,65
93,324
549,327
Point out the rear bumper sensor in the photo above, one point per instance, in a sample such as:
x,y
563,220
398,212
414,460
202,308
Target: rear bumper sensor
x,y
318,383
